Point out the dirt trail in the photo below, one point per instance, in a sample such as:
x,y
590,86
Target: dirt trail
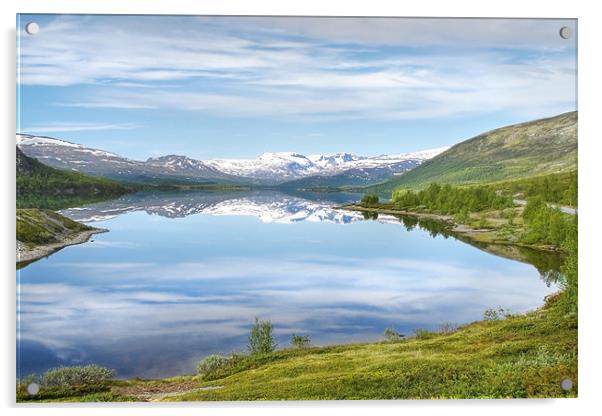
x,y
154,391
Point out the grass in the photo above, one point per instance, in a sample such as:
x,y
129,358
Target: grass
x,y
522,150
39,226
519,356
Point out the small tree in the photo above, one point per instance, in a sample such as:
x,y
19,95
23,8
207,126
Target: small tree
x,y
261,339
370,200
300,341
496,314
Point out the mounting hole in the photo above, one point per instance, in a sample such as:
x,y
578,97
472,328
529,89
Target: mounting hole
x,y
566,32
33,388
566,384
32,28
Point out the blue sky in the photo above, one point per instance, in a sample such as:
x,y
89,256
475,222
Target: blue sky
x,y
235,87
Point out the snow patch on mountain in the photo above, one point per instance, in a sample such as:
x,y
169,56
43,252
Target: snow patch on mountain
x,y
290,165
270,168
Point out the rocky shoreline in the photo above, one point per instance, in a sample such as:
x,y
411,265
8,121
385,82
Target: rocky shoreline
x,y
28,254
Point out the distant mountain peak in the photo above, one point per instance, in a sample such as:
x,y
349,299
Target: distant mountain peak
x,y
269,168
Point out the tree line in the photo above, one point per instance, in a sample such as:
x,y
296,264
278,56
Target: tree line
x,y
449,199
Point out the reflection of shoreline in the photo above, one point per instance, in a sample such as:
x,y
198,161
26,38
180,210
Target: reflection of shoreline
x,y
544,260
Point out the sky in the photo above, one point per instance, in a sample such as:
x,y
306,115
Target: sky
x,y
236,87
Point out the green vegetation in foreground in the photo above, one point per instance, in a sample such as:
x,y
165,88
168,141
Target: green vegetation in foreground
x,y
40,186
86,383
41,226
522,150
514,356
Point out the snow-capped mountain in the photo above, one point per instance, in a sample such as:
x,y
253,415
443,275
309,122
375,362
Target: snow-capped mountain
x,y
267,169
288,166
62,154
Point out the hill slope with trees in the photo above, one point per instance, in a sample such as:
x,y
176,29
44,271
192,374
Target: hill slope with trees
x,y
40,186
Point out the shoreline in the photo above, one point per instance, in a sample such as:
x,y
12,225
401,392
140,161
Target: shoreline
x,y
462,231
28,255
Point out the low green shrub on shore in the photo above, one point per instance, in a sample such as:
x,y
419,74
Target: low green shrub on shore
x,y
61,382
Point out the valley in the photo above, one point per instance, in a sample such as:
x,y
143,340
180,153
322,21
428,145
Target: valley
x,y
171,230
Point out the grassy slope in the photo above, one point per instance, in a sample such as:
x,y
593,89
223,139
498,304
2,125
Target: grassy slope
x,y
521,150
521,356
37,226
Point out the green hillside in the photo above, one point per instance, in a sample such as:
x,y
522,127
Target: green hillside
x,y
41,226
534,148
40,186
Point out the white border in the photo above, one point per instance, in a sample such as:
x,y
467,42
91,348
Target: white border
x,y
590,152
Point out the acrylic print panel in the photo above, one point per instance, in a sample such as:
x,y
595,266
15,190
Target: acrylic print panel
x,y
295,208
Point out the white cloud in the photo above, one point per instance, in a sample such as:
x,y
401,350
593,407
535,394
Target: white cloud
x,y
63,127
309,68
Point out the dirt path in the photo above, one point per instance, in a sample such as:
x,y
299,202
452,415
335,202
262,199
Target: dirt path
x,y
156,391
562,208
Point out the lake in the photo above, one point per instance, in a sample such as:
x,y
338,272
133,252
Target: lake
x,y
183,275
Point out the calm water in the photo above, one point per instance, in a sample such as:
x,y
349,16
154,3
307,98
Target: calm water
x,y
183,275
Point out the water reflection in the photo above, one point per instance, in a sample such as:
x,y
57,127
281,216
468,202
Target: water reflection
x,y
268,206
180,276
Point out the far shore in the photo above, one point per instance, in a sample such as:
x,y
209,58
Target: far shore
x,y
462,231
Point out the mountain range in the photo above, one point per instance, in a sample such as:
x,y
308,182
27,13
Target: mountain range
x,y
268,169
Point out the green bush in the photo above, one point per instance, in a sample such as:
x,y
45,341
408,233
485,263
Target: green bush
x,y
423,334
211,364
77,376
545,225
300,341
570,273
22,393
392,335
496,314
370,200
483,223
261,339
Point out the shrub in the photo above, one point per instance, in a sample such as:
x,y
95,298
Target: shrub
x,y
23,383
570,283
261,339
495,314
392,335
423,334
300,341
370,200
77,376
448,327
462,217
211,363
484,223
